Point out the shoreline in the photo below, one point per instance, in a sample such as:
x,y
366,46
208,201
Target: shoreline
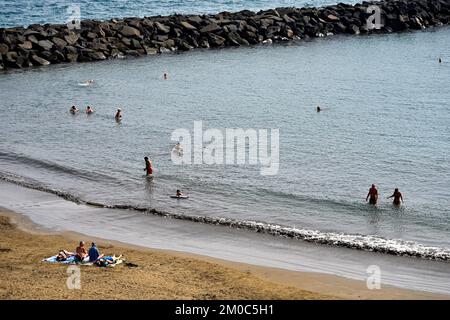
x,y
94,40
288,284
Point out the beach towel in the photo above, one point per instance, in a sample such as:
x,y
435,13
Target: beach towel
x,y
71,260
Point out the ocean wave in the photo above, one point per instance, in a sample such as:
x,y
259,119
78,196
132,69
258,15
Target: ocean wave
x,y
87,175
370,243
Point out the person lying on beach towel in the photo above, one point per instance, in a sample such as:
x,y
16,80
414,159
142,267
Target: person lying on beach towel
x,y
63,255
108,261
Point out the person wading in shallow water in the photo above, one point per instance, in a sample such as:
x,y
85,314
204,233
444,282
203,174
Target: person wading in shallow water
x,y
148,166
73,110
118,114
397,195
372,195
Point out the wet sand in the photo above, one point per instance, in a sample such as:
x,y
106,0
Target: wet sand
x,y
159,274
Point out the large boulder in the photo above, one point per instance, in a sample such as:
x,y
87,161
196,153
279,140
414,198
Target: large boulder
x,y
71,38
150,50
187,25
46,45
60,43
3,48
27,45
33,39
128,31
162,28
215,40
97,55
39,61
210,28
333,18
71,57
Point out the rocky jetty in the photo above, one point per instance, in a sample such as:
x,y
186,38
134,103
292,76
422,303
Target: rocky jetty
x,y
39,45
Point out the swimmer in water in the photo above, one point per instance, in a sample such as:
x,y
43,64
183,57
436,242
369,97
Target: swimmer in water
x,y
397,195
165,76
73,110
89,110
372,195
89,82
118,115
148,166
440,60
178,148
318,109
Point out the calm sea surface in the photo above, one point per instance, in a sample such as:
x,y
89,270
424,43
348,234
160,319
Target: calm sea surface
x,y
385,120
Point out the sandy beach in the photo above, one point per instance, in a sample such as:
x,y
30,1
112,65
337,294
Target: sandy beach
x,y
158,275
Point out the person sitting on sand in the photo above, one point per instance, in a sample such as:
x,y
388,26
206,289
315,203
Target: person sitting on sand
x,y
373,194
89,110
81,252
397,195
94,254
148,166
73,110
63,255
118,115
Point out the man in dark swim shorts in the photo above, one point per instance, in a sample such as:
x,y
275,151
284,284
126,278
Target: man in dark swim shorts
x,y
373,194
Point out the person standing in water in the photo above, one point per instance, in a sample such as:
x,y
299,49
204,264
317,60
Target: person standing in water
x,y
89,110
397,195
372,195
178,149
118,114
148,166
73,110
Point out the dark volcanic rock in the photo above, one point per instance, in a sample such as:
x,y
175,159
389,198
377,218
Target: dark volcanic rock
x,y
39,61
3,48
130,32
99,40
45,44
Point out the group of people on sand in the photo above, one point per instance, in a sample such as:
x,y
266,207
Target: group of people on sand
x,y
372,196
90,110
81,255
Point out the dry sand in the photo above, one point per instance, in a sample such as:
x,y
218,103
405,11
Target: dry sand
x,y
159,275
